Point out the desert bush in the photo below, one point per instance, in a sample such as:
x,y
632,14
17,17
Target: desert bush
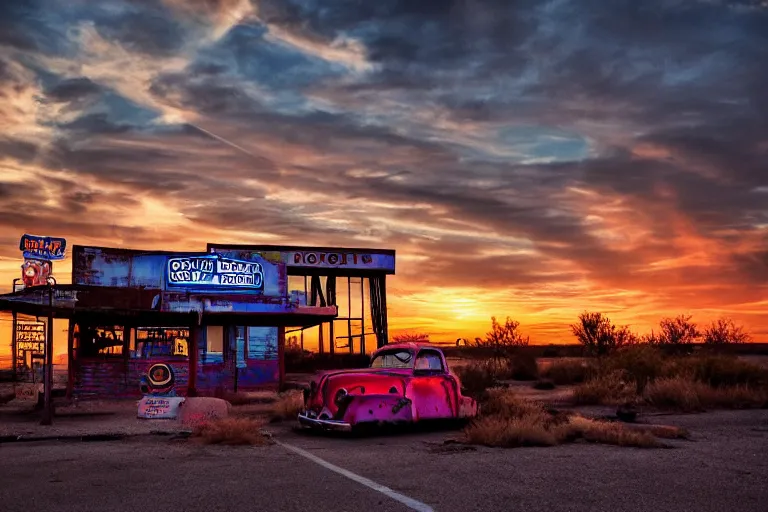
x,y
606,389
502,432
475,378
521,367
736,397
503,402
676,393
599,336
682,394
566,372
287,406
640,363
231,431
718,370
677,331
724,331
508,421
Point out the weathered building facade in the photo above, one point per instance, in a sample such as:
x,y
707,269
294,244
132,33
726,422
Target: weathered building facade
x,y
217,318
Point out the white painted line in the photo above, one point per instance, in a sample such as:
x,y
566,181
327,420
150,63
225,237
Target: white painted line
x,y
405,500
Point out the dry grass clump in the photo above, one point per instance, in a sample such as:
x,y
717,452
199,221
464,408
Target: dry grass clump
x,y
287,406
683,394
718,371
605,432
566,372
683,383
666,431
502,402
609,389
504,432
231,431
508,421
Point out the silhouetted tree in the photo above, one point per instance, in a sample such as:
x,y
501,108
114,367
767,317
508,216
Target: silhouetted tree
x,y
503,340
677,331
596,332
724,331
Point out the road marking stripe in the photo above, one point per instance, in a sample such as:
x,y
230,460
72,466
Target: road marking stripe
x,y
405,500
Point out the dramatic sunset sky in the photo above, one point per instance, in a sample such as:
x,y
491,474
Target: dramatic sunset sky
x,y
528,158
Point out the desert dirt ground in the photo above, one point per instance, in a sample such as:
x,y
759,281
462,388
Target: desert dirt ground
x,y
723,467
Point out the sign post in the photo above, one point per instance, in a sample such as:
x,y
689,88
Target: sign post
x,y
14,347
39,254
47,405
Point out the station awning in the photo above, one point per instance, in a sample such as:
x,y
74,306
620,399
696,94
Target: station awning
x,y
147,306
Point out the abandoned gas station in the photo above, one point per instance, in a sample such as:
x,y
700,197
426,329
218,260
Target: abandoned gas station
x,y
219,319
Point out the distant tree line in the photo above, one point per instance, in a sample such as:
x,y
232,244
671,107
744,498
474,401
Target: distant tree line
x,y
600,336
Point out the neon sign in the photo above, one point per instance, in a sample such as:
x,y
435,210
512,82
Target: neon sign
x,y
215,272
43,248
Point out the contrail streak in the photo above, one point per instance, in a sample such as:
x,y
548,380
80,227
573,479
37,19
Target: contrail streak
x,y
225,141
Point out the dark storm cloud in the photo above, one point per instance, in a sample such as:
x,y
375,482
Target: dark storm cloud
x,y
73,89
270,64
204,96
95,123
405,35
146,27
30,25
18,149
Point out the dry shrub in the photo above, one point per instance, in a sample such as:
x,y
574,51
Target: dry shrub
x,y
231,431
287,406
503,432
475,378
566,372
522,367
502,402
718,371
676,393
611,433
639,363
508,421
682,394
736,397
608,389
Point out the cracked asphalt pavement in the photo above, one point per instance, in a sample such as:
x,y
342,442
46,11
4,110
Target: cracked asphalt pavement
x,y
724,467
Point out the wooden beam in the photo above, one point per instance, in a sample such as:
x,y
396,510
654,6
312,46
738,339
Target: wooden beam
x,y
192,348
281,356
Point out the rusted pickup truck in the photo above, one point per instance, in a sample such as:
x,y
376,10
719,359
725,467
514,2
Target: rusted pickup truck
x,y
404,383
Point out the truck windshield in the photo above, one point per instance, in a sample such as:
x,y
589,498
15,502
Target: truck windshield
x,y
393,359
